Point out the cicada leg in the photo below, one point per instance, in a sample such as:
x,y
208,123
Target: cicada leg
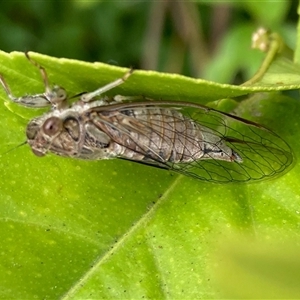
x,y
87,97
42,71
55,96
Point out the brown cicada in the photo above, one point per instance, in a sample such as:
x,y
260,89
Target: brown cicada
x,y
188,138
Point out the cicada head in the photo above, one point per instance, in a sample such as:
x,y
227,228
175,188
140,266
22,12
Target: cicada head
x,y
55,134
66,133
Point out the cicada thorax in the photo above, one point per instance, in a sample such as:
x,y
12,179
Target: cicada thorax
x,y
158,134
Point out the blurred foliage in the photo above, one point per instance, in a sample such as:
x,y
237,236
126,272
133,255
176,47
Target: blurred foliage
x,y
76,230
194,38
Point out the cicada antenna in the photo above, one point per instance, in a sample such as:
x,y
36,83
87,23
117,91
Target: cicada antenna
x,y
14,148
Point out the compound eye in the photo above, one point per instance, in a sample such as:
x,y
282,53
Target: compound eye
x,y
52,126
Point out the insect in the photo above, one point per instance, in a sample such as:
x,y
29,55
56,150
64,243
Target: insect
x,y
188,138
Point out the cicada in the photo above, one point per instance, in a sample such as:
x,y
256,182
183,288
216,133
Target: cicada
x,y
188,138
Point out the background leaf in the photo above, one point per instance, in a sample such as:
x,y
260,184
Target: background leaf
x,y
118,229
115,229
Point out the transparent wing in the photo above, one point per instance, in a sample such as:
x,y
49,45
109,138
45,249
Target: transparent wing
x,y
264,154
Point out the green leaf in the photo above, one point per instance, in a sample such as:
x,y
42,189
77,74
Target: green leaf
x,y
276,12
117,229
265,268
236,45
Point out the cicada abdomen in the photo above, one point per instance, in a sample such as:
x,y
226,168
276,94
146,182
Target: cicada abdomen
x,y
184,137
160,135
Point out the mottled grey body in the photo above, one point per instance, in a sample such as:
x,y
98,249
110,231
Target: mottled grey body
x,y
144,133
160,134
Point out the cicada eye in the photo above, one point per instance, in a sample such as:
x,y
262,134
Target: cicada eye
x,y
52,126
72,126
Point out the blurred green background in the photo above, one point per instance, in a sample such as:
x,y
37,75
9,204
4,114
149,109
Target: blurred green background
x,y
192,38
131,231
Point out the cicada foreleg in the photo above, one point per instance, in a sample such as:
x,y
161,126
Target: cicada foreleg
x,y
54,96
88,97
